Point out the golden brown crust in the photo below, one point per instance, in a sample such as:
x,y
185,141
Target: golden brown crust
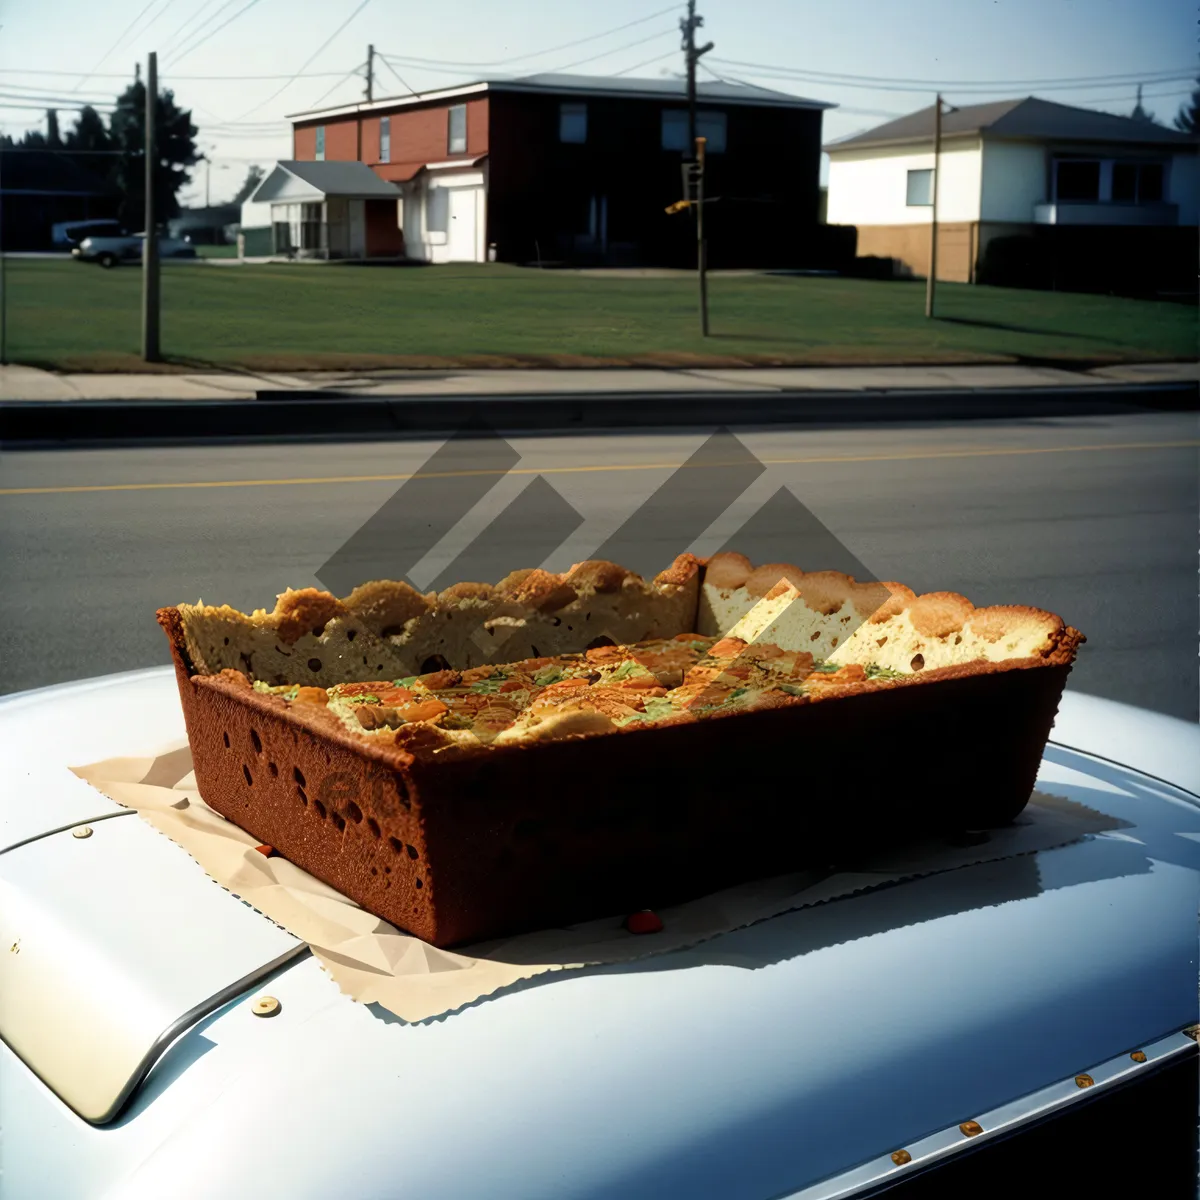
x,y
386,606
539,589
596,575
685,568
727,570
764,578
305,611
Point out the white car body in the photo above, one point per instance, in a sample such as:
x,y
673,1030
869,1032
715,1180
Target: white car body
x,y
108,251
792,1058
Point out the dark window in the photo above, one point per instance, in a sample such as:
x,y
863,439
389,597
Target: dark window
x,y
320,151
385,139
572,123
1077,180
1150,183
709,125
1124,183
457,142
920,188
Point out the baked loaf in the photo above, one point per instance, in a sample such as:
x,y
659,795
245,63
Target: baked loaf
x,y
700,738
389,629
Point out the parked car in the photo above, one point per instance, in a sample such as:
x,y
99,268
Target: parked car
x,y
110,251
1008,1028
68,234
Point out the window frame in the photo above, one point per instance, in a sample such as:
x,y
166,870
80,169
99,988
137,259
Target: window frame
x,y
385,139
927,173
708,120
572,109
319,144
450,138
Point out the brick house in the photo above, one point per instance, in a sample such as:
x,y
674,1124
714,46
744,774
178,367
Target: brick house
x,y
580,169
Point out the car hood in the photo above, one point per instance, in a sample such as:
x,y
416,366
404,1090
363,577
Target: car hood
x,y
755,1065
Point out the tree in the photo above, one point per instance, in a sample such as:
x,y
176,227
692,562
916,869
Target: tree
x,y
52,135
254,176
1188,117
176,138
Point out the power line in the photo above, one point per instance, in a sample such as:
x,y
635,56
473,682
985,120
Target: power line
x,y
125,75
973,88
592,37
344,78
69,107
648,62
608,53
1159,75
177,37
121,37
308,61
194,46
403,81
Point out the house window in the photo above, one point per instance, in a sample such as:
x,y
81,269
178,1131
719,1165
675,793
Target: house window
x,y
1150,183
572,123
320,151
385,139
457,120
437,211
1076,180
709,125
920,188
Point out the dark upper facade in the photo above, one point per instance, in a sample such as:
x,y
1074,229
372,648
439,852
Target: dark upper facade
x,y
582,169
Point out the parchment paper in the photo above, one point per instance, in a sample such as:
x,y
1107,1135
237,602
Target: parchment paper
x,y
375,963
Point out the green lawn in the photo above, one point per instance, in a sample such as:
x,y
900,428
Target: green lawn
x,y
70,315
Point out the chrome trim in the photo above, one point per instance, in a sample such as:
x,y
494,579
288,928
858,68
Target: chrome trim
x,y
1187,793
182,1024
895,1164
37,837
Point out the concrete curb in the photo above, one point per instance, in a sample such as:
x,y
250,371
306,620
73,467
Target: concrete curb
x,y
285,414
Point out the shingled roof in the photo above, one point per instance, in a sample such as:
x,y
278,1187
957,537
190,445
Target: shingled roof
x,y
1028,119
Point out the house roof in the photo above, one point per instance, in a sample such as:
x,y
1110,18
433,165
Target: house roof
x,y
354,180
1026,119
49,173
712,92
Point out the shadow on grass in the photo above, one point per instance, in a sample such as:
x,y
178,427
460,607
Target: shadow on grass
x,y
976,323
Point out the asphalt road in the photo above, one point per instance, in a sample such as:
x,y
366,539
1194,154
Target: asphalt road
x,y
1093,518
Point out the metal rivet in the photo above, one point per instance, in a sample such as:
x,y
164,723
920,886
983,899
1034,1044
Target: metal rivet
x,y
971,1128
901,1157
1084,1081
81,831
1138,1056
265,1006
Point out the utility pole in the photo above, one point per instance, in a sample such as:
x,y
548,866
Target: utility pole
x,y
207,179
150,290
370,93
931,281
688,25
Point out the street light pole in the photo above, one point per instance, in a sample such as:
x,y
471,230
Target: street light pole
x,y
150,280
931,281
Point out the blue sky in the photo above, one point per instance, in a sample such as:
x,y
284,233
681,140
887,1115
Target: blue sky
x,y
992,45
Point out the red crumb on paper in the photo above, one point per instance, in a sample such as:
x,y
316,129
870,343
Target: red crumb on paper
x,y
266,851
645,921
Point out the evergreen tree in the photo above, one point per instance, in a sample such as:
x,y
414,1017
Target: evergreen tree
x,y
1188,117
254,176
176,139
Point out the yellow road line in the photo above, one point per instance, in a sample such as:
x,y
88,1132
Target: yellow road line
x,y
304,481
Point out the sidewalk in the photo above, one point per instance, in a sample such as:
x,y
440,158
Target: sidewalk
x,y
28,384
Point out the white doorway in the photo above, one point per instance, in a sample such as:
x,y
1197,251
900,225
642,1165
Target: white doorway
x,y
461,234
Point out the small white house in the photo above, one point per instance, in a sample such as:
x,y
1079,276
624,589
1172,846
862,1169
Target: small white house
x,y
1007,167
323,210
